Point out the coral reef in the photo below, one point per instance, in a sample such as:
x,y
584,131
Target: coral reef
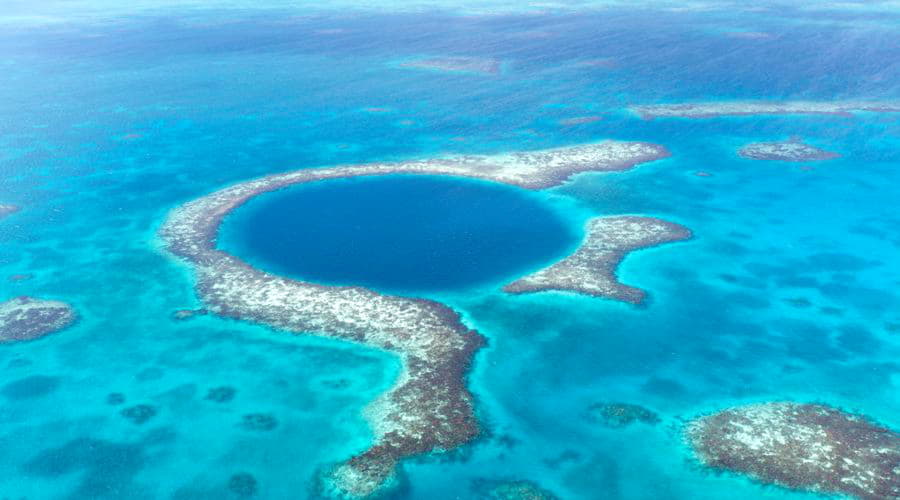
x,y
490,489
242,484
27,318
619,415
262,422
713,109
802,446
429,408
591,270
139,414
456,63
183,314
34,386
791,150
115,398
580,120
7,210
222,394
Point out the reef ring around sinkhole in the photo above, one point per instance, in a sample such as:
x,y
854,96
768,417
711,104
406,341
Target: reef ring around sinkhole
x,y
429,408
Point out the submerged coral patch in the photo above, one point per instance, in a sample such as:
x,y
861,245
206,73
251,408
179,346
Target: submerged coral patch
x,y
714,109
184,314
429,408
262,422
791,150
591,270
34,386
802,446
492,489
27,318
619,415
465,64
115,398
222,394
139,414
243,485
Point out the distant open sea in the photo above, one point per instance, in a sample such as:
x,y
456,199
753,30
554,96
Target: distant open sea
x,y
789,290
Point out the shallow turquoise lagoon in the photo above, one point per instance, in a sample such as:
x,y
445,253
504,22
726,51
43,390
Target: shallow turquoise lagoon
x,y
110,120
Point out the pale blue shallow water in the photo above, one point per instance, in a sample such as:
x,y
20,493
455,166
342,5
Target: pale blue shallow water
x,y
108,124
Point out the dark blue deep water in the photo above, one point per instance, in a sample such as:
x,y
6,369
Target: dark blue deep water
x,y
399,233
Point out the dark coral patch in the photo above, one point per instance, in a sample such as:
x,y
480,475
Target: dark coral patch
x,y
18,363
243,485
490,489
619,415
221,394
259,422
799,302
183,314
338,384
115,398
139,414
107,468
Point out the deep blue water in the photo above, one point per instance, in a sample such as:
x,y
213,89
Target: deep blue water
x,y
109,120
399,233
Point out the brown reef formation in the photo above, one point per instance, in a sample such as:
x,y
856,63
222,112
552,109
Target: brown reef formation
x,y
456,63
802,446
429,408
490,489
793,149
7,210
27,318
591,270
714,109
620,415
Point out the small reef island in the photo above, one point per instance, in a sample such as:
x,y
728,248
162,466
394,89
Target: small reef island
x,y
591,270
808,447
737,108
429,407
793,149
27,318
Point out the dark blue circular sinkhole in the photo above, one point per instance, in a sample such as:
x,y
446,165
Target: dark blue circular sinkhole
x,y
400,233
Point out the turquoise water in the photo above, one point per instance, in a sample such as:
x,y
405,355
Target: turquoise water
x,y
400,234
788,291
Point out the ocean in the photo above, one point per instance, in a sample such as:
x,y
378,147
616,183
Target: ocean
x,y
788,290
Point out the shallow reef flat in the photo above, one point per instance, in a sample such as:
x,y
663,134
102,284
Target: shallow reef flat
x,y
714,109
7,210
488,489
620,415
28,318
429,408
802,446
591,270
463,64
793,149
